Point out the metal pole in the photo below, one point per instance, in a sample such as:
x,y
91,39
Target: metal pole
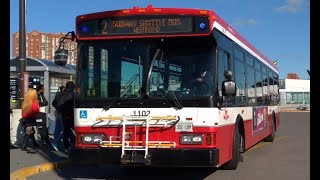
x,y
22,49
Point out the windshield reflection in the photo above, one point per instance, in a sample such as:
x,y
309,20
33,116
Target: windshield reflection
x,y
183,67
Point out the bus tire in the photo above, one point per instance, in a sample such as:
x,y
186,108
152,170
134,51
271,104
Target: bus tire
x,y
242,145
233,163
271,137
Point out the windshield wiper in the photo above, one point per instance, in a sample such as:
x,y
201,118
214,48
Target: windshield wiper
x,y
107,107
175,99
150,70
172,96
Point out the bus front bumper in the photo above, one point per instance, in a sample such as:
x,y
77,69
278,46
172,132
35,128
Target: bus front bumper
x,y
156,157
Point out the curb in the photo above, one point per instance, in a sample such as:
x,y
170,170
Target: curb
x,y
21,174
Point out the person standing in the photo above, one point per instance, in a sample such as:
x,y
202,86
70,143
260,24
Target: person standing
x,y
58,133
65,106
42,126
30,108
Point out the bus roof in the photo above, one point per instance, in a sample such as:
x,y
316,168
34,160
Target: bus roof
x,y
215,20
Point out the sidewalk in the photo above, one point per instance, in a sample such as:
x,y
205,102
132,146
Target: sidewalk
x,y
21,162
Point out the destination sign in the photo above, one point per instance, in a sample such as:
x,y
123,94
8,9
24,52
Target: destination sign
x,y
144,25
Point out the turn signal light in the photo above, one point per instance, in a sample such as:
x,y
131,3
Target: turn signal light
x,y
78,137
208,139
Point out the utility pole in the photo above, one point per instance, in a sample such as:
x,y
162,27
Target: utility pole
x,y
23,76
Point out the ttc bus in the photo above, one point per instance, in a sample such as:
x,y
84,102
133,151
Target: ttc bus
x,y
139,98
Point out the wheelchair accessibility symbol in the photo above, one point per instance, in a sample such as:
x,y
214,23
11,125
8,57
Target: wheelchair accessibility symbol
x,y
83,114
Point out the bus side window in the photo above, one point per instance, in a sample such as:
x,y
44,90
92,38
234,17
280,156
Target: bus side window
x,y
239,76
224,64
250,81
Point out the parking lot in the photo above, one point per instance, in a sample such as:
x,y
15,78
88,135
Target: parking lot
x,y
287,158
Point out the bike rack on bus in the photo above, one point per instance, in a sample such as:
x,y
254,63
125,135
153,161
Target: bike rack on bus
x,y
147,121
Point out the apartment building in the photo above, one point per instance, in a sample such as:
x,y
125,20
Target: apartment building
x,y
42,45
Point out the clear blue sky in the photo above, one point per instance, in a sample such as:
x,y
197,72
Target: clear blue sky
x,y
280,29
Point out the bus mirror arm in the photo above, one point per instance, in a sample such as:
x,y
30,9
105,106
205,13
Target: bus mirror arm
x,y
61,54
62,39
219,101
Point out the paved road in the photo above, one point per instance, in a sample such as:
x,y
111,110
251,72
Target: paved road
x,y
20,159
288,158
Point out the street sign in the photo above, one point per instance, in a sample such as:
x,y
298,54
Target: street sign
x,y
14,88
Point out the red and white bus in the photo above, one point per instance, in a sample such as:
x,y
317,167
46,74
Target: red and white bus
x,y
140,101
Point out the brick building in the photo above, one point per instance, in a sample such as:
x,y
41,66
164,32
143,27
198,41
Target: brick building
x,y
43,45
292,76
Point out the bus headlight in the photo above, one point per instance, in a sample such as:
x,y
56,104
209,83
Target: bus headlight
x,y
191,139
92,138
87,139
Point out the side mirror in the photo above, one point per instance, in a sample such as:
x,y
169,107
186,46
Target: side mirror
x,y
228,88
61,57
61,54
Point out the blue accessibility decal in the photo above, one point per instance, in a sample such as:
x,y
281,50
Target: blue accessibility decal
x,y
83,114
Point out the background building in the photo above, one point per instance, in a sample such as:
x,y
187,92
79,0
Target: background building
x,y
294,92
41,71
293,76
43,45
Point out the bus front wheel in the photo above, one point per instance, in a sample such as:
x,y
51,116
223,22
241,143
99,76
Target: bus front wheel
x,y
233,163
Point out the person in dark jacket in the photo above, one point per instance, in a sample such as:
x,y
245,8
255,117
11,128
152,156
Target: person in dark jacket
x,y
65,106
42,126
41,98
58,133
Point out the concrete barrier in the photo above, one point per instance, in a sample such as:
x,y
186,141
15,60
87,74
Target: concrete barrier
x,y
16,132
16,129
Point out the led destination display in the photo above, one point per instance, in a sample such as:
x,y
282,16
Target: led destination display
x,y
143,25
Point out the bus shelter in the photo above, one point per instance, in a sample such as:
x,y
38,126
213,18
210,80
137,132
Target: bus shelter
x,y
47,72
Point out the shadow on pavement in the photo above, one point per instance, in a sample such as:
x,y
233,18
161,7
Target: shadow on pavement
x,y
141,173
48,152
34,156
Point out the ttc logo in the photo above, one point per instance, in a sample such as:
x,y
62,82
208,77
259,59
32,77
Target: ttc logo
x,y
83,114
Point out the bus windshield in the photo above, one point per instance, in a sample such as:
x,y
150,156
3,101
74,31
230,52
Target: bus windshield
x,y
183,67
110,69
119,68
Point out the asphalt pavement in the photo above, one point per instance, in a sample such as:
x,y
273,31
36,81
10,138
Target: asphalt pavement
x,y
23,164
44,158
